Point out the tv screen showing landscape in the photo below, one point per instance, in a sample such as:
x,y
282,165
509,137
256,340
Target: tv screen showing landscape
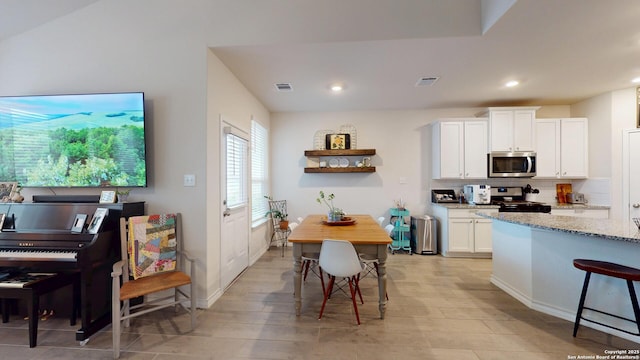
x,y
88,140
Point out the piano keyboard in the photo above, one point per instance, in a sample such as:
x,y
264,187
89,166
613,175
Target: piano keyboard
x,y
39,255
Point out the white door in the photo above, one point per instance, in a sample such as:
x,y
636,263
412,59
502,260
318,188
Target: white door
x,y
234,230
631,177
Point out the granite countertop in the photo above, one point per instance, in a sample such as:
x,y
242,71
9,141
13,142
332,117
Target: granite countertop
x,y
610,229
465,206
553,206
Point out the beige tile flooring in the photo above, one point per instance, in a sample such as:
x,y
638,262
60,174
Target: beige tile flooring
x,y
439,308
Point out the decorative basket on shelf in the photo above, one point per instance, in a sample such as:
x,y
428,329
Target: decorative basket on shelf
x,y
319,139
353,134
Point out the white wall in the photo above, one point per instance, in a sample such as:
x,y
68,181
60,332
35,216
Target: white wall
x,y
161,48
609,115
226,97
402,140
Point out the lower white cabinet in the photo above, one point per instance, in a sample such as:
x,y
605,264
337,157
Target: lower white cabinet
x,y
463,233
588,213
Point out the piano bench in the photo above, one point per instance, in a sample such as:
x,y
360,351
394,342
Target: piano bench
x,y
31,294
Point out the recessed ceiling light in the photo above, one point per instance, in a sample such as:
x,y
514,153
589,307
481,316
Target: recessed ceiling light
x,y
336,87
635,80
511,83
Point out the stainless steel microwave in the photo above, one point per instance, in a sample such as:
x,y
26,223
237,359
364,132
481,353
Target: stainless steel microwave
x,y
511,164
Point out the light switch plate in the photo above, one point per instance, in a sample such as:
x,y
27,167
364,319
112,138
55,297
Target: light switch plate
x,y
189,180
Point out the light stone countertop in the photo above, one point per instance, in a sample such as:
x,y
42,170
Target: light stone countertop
x,y
610,229
553,206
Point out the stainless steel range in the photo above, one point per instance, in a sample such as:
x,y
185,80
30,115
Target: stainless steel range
x,y
511,199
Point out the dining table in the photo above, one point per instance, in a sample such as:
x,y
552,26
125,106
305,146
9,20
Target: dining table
x,y
367,236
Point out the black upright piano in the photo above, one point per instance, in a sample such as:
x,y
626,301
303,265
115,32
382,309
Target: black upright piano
x,y
37,237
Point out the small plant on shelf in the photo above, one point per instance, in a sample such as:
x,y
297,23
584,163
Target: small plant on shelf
x,y
123,195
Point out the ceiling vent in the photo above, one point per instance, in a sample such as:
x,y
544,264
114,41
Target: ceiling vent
x,y
284,87
427,81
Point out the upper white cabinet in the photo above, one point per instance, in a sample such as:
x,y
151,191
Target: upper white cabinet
x,y
511,128
562,148
460,148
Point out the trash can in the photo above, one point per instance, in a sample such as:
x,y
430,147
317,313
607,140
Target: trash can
x,y
424,235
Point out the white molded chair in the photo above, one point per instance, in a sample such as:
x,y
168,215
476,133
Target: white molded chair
x,y
380,220
125,288
338,258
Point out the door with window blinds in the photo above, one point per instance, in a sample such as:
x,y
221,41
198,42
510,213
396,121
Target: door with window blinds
x,y
234,252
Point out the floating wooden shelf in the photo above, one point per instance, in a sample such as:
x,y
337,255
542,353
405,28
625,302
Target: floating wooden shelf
x,y
350,169
350,152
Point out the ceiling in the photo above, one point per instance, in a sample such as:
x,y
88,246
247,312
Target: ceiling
x,y
561,52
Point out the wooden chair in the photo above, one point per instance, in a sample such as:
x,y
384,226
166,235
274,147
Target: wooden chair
x,y
168,239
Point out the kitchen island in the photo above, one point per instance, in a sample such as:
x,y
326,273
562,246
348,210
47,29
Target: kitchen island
x,y
533,261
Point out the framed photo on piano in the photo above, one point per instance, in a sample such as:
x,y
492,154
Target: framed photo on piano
x,y
7,190
78,223
97,220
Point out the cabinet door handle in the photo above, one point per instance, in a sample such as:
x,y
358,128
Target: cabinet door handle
x,y
636,205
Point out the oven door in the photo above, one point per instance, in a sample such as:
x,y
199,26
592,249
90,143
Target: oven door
x,y
511,164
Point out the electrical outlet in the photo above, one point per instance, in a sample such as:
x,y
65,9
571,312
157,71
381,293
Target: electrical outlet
x,y
189,180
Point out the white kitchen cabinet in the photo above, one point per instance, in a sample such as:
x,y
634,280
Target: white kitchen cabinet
x,y
582,212
511,128
463,233
459,149
562,148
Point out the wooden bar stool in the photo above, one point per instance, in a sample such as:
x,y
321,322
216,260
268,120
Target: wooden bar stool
x,y
609,269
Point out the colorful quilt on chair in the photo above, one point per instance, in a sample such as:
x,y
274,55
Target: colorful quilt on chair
x,y
152,244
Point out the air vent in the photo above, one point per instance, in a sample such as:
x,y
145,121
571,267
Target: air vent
x,y
284,87
427,81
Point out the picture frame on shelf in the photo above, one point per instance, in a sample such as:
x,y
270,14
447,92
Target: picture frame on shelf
x,y
78,223
108,197
7,190
97,220
338,141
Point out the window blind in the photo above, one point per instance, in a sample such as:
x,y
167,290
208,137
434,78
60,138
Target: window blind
x,y
236,173
259,173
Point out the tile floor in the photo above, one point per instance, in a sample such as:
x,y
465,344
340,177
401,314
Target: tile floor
x,y
439,308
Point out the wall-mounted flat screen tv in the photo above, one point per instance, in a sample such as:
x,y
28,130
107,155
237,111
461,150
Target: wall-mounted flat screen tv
x,y
87,140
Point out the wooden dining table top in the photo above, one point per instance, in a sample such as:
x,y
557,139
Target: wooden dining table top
x,y
365,231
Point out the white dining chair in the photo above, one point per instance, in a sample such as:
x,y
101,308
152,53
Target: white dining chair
x,y
380,220
338,258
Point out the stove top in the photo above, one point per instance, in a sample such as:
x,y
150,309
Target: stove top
x,y
522,206
511,199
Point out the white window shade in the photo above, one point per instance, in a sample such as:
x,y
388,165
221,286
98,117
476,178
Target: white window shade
x,y
259,171
236,171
